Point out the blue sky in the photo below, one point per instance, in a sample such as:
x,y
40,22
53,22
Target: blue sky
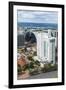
x,y
37,16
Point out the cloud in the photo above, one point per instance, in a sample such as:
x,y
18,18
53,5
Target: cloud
x,y
37,16
22,14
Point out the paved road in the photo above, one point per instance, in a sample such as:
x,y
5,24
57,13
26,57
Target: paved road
x,y
52,74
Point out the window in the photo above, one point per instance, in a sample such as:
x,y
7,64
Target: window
x,y
45,49
53,40
52,49
52,34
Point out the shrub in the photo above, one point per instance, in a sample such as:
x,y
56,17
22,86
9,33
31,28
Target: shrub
x,y
28,66
19,70
55,67
25,67
31,65
35,53
37,62
48,67
30,58
34,71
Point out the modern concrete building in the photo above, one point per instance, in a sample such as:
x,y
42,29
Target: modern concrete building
x,y
46,45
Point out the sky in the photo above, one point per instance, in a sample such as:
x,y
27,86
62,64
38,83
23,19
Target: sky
x,y
37,16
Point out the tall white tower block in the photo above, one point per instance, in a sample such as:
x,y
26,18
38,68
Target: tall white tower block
x,y
46,44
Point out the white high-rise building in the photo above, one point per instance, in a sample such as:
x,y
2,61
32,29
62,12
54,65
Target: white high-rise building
x,y
46,44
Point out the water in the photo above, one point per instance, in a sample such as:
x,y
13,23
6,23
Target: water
x,y
38,25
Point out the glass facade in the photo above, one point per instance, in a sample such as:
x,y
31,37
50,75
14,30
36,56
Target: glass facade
x,y
45,49
52,45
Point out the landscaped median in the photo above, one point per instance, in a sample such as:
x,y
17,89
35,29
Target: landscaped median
x,y
49,67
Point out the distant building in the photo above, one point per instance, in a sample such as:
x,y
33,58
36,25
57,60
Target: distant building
x,y
20,38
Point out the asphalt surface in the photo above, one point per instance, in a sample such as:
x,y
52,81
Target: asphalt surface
x,y
52,74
